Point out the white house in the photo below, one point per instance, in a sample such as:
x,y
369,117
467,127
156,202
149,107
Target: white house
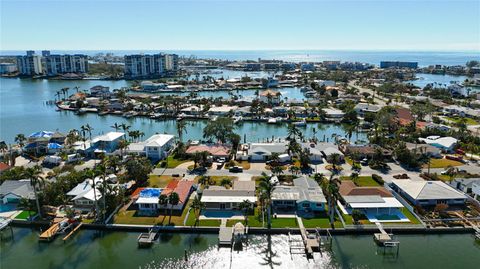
x,y
444,143
155,147
428,193
263,151
147,201
220,198
270,97
305,195
333,113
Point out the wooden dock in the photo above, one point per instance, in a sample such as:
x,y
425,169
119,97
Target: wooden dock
x,y
310,241
225,236
147,239
72,232
51,232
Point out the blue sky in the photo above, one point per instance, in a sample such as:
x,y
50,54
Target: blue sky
x,y
240,25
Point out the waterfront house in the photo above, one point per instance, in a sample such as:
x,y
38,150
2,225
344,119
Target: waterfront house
x,y
303,197
223,110
155,147
333,114
12,191
326,83
263,151
363,108
428,193
320,150
38,142
476,190
220,198
444,143
376,203
83,196
270,97
183,188
147,201
364,151
106,143
100,91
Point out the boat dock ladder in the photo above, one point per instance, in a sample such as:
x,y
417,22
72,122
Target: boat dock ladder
x,y
147,239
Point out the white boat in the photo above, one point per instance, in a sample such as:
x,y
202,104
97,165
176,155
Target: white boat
x,y
272,120
237,119
302,123
213,118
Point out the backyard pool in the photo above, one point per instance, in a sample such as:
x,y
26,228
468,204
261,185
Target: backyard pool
x,y
7,207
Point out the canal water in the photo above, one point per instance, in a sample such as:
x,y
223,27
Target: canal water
x,y
91,249
23,110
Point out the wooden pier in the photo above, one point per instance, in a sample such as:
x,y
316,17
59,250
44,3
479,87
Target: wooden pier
x,y
147,239
72,232
311,242
384,239
52,231
225,236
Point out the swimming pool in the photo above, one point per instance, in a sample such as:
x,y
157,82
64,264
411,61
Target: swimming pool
x,y
7,207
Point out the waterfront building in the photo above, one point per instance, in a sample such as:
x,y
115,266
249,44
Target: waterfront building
x,y
106,143
263,151
288,66
465,185
7,68
100,91
155,148
304,196
307,67
220,198
363,108
214,150
270,97
183,188
393,64
150,86
56,64
30,64
376,203
322,150
150,66
147,201
12,191
252,67
83,196
326,83
428,193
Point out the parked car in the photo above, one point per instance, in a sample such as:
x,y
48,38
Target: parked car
x,y
221,160
236,169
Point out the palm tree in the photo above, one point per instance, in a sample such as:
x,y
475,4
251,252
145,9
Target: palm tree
x,y
101,170
20,140
125,128
87,129
277,170
335,159
90,174
173,200
245,206
122,145
181,128
226,182
294,169
331,190
33,173
163,201
354,177
116,126
197,206
266,188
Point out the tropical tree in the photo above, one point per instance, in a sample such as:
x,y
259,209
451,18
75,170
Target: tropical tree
x,y
116,126
220,130
87,129
33,173
173,200
354,177
181,128
330,188
226,182
305,159
197,206
294,169
20,139
266,188
335,160
276,170
163,201
245,206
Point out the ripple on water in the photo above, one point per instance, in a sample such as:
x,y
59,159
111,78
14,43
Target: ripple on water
x,y
262,252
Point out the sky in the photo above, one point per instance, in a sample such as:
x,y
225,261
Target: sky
x,y
424,25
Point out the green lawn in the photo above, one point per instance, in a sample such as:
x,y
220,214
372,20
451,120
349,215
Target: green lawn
x,y
442,163
171,162
363,181
469,121
24,215
130,217
409,215
284,223
321,221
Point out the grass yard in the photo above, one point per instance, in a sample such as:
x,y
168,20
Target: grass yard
x,y
130,217
25,215
321,221
171,162
410,216
469,121
442,163
284,223
363,181
217,179
162,181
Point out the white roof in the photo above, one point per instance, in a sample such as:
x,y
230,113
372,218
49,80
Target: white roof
x,y
110,136
446,142
228,199
222,108
89,195
424,190
147,200
387,202
158,140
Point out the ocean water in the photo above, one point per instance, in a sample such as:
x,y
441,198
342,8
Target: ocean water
x,y
424,58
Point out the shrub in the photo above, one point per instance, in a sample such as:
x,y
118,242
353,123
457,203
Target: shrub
x,y
378,179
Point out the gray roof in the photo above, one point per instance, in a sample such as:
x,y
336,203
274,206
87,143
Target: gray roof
x,y
268,147
426,190
225,192
20,188
286,193
244,185
304,189
363,199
